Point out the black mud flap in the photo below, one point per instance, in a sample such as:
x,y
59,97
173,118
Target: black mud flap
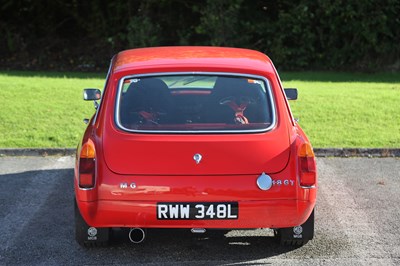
x,y
297,235
88,236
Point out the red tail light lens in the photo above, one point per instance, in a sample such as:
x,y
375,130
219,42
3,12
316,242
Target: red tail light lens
x,y
307,165
87,165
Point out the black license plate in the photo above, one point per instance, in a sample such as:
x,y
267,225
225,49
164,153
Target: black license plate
x,y
197,210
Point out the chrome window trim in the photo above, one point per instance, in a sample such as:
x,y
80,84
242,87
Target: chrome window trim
x,y
268,92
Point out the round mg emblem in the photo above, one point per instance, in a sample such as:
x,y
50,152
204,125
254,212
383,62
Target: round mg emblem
x,y
197,158
298,230
92,231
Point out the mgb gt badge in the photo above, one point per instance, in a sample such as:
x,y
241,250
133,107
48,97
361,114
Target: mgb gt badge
x,y
197,157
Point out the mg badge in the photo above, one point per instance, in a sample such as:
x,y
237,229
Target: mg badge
x,y
92,233
125,185
197,157
298,230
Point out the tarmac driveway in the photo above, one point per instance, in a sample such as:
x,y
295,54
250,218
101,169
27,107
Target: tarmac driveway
x,y
357,222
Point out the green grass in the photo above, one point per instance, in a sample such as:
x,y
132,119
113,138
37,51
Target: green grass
x,y
348,110
40,109
44,109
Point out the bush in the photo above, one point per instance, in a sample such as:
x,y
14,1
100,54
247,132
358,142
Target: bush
x,y
303,34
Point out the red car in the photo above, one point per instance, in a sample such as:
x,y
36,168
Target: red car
x,y
196,138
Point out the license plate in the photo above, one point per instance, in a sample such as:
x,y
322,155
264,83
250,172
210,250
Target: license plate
x,y
197,210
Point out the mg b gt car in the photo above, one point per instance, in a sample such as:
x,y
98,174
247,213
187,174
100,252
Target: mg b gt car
x,y
196,138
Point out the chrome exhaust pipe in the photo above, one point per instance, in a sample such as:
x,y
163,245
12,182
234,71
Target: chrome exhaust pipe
x,y
198,230
137,235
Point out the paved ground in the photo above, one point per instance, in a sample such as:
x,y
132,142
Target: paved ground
x,y
357,222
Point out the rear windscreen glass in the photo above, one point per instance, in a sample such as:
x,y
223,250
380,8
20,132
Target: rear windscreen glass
x,y
194,103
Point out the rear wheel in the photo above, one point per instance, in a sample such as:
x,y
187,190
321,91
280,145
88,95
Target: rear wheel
x,y
89,236
297,235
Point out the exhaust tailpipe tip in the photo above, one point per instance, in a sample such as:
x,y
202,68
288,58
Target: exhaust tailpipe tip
x,y
137,235
198,230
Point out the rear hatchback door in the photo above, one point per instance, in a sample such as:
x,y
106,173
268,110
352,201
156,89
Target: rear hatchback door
x,y
203,124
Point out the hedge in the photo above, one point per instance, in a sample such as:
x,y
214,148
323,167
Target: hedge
x,y
359,35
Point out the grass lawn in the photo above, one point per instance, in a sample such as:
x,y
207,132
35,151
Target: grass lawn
x,y
44,109
40,109
347,110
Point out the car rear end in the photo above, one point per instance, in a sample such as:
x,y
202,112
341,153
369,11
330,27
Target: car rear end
x,y
204,150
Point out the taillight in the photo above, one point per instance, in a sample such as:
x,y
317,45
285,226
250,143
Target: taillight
x,y
307,165
87,165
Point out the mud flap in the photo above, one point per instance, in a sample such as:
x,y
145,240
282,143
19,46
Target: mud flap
x,y
87,235
297,235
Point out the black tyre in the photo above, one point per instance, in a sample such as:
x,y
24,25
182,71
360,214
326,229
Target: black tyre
x,y
297,235
88,236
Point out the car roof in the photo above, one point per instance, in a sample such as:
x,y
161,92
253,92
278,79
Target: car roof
x,y
196,57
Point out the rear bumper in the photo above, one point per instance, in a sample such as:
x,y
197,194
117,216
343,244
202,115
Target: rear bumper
x,y
252,214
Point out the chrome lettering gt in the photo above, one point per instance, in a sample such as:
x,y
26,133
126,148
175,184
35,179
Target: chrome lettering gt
x,y
284,182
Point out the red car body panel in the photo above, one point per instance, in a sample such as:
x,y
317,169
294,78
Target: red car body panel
x,y
173,153
162,167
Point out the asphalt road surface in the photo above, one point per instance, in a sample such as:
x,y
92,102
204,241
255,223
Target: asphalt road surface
x,y
357,222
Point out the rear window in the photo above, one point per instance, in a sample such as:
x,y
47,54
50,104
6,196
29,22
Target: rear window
x,y
188,103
